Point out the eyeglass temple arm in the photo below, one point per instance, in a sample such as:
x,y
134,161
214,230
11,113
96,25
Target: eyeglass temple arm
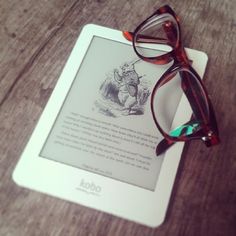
x,y
159,60
165,143
144,39
163,146
169,28
188,90
186,86
179,131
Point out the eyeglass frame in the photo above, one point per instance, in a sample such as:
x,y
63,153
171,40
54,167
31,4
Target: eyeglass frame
x,y
208,133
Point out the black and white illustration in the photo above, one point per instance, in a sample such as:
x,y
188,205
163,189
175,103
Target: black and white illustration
x,y
124,91
105,124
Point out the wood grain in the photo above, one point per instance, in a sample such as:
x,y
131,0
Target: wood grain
x,y
36,38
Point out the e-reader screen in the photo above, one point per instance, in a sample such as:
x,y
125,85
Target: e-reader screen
x,y
105,125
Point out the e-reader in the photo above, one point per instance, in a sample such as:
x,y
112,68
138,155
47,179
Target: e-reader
x,y
95,141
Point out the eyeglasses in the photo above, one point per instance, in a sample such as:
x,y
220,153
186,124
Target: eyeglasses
x,y
163,28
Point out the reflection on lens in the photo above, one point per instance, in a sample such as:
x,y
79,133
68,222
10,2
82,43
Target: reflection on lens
x,y
185,87
159,32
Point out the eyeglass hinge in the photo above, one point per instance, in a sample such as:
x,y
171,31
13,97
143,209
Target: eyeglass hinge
x,y
210,139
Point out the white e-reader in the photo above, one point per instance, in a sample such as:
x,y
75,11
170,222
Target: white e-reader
x,y
95,141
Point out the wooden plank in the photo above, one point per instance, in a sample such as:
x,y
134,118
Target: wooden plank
x,y
35,45
26,30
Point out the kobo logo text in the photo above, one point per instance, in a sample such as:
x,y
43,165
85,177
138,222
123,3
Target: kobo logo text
x,y
90,186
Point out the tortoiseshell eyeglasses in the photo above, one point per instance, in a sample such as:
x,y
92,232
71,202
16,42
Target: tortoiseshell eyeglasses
x,y
162,28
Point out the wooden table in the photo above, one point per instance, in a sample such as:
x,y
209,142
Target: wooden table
x,y
36,38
